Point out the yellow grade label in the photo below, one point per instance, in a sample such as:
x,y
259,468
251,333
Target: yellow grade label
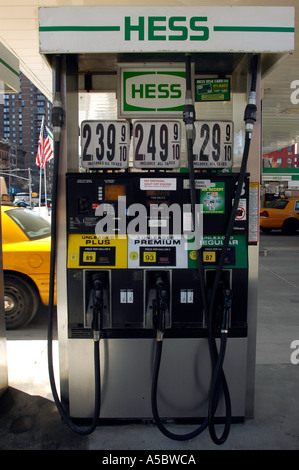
x,y
89,257
149,256
209,256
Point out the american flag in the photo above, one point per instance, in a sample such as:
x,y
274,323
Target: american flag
x,y
45,146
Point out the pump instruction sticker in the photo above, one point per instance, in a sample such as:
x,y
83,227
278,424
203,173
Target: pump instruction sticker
x,y
213,198
94,252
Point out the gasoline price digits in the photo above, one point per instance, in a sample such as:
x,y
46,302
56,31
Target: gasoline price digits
x,y
213,147
105,144
157,144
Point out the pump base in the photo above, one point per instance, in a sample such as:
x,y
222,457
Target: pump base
x,y
126,376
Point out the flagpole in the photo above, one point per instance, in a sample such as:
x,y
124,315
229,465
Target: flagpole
x,y
41,164
45,183
40,187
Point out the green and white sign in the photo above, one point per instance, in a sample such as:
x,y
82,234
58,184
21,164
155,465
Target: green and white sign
x,y
212,89
145,92
9,70
81,29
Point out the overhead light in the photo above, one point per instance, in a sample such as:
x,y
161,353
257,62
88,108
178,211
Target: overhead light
x,y
291,111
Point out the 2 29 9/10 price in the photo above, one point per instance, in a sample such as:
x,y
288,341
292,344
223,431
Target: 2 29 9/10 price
x,y
213,144
105,144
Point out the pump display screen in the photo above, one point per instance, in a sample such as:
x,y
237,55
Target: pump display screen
x,y
114,191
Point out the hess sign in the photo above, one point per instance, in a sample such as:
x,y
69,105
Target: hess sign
x,y
156,144
213,144
149,92
105,144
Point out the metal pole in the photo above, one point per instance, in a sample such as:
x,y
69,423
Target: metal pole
x,y
29,183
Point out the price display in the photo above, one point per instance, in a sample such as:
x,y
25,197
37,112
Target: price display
x,y
157,144
105,144
213,144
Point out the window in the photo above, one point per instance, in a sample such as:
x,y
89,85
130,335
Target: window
x,y
297,206
34,226
278,204
279,162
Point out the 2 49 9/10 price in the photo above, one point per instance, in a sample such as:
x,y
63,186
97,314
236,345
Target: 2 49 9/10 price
x,y
157,144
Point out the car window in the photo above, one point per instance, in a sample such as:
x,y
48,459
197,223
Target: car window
x,y
277,204
32,224
297,206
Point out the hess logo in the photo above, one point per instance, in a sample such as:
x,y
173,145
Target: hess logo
x,y
156,90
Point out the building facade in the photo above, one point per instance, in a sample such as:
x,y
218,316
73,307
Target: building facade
x,y
20,122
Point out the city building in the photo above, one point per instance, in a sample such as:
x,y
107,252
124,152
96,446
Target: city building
x,y
20,122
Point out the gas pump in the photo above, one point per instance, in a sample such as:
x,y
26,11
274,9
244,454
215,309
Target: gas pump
x,y
152,260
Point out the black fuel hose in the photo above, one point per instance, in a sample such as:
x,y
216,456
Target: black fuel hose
x,y
217,358
249,118
57,119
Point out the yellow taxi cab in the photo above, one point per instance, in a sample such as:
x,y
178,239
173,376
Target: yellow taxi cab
x,y
280,214
26,246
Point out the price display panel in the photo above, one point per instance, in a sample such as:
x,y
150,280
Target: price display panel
x,y
213,144
157,144
105,144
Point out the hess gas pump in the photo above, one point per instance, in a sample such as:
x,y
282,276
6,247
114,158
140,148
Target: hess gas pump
x,y
146,268
150,283
155,258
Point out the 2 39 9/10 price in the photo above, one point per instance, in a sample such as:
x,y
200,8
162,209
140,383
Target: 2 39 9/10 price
x,y
105,144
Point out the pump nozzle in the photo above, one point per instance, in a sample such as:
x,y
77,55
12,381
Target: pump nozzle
x,y
97,297
161,304
226,308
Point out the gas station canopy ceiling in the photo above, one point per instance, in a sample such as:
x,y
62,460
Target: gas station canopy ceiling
x,y
19,33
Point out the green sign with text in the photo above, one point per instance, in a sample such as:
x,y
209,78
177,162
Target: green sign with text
x,y
212,89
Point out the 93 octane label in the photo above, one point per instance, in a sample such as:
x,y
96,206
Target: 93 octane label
x,y
149,256
213,144
157,144
105,144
